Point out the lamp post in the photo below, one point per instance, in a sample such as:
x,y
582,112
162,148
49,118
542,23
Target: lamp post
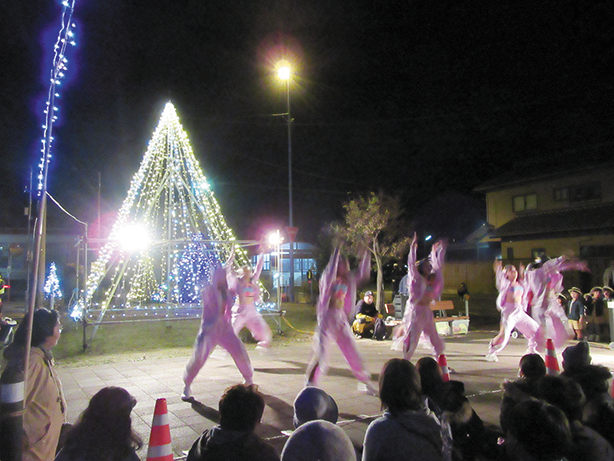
x,y
284,73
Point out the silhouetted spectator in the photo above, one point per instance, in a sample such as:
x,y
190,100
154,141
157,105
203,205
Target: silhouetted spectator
x,y
241,408
531,369
567,395
104,430
407,430
538,432
317,437
469,436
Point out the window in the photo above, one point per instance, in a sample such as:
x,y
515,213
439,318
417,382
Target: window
x,y
561,194
585,193
525,202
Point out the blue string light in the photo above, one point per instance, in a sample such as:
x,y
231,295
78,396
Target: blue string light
x,y
58,72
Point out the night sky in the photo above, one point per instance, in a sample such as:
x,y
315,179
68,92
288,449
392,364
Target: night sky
x,y
422,99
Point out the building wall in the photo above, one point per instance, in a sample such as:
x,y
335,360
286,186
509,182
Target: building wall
x,y
499,203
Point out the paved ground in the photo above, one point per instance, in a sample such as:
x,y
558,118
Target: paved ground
x,y
280,376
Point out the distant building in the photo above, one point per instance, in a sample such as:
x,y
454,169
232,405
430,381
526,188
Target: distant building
x,y
554,212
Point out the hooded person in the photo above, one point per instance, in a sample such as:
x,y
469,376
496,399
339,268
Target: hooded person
x,y
592,378
317,437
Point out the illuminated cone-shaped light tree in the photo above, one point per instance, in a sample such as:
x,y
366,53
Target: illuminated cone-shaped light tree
x,y
52,286
169,214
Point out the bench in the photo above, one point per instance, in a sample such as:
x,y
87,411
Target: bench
x,y
454,325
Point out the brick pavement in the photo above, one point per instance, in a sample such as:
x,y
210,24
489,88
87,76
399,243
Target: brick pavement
x,y
280,375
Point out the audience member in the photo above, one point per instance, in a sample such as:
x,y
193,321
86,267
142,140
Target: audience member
x,y
45,407
531,369
104,430
317,437
567,395
596,315
366,315
537,432
592,378
407,430
469,436
576,313
234,439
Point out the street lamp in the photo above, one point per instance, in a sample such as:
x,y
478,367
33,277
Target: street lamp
x,y
285,73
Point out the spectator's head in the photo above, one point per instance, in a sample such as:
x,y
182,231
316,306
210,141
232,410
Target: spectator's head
x,y
575,293
110,408
596,292
241,408
313,403
399,387
538,431
532,366
104,429
561,300
608,293
318,440
576,357
368,297
431,376
563,393
46,329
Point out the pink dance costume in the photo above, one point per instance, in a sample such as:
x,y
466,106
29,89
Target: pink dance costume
x,y
418,317
335,306
216,329
557,325
244,312
513,315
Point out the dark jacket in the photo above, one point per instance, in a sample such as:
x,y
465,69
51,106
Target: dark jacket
x,y
219,444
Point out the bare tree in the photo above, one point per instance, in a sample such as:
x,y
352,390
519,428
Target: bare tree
x,y
374,221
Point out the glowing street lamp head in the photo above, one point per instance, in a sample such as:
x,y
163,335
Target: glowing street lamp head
x,y
284,72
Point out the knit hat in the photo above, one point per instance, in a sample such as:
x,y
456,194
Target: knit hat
x,y
313,403
576,357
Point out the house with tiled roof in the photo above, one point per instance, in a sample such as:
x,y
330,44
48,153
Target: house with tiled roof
x,y
554,212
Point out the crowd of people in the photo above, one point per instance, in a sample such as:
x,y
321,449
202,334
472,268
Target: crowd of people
x,y
425,416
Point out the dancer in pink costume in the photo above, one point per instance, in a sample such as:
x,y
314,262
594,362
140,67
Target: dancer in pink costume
x,y
556,323
424,285
335,308
513,315
216,328
244,312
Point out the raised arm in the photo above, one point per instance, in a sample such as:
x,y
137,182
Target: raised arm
x,y
438,253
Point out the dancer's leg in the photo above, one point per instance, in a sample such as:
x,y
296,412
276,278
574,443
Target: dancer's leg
x,y
259,328
430,330
229,341
205,342
318,364
530,329
347,345
509,323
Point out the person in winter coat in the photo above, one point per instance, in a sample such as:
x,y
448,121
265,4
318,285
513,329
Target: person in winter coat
x,y
407,430
45,406
234,439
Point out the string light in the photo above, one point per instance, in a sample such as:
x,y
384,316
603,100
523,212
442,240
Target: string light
x,y
171,199
52,284
58,69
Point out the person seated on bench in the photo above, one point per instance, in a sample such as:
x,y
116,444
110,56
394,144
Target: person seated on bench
x,y
366,314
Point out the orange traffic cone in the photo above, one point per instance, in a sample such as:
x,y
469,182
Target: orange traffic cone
x,y
160,448
443,363
552,363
